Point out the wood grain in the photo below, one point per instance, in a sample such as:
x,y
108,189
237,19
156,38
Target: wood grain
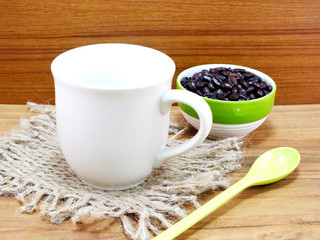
x,y
280,38
288,209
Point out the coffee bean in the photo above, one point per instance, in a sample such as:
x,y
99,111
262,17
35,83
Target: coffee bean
x,y
199,92
206,90
257,78
250,89
233,80
234,90
220,94
200,84
204,72
216,82
210,95
220,77
226,73
263,85
213,71
207,77
192,86
252,96
184,81
211,86
260,93
244,83
250,81
218,91
234,96
256,84
196,76
242,96
221,69
266,92
242,91
247,75
227,84
269,88
240,70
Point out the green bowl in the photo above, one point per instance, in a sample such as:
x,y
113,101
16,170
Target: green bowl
x,y
232,112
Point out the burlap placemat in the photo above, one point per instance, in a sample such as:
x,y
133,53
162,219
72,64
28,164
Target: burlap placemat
x,y
32,169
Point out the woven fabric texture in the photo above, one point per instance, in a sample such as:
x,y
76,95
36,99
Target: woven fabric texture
x,y
34,171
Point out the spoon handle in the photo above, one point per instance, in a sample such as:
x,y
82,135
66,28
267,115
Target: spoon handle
x,y
203,211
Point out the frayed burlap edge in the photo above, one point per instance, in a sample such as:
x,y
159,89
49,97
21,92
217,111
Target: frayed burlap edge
x,y
32,169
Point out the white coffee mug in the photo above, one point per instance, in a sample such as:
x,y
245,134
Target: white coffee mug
x,y
113,110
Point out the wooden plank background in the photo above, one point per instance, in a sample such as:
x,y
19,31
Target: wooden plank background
x,y
280,38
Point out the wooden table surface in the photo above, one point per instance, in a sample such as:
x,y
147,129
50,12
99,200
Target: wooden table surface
x,y
289,209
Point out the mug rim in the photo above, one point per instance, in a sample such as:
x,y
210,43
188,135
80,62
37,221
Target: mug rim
x,y
59,68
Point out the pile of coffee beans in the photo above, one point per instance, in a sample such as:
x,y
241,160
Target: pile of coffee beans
x,y
227,84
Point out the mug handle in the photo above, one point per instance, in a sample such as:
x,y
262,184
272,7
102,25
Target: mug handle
x,y
205,116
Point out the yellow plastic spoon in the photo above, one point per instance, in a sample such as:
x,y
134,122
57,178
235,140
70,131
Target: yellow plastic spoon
x,y
270,167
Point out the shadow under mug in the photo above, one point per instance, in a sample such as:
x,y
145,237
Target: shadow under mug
x,y
113,111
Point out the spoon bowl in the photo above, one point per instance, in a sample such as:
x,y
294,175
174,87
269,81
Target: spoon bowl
x,y
270,167
273,166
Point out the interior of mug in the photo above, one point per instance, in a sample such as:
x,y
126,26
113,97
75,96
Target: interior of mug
x,y
113,66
